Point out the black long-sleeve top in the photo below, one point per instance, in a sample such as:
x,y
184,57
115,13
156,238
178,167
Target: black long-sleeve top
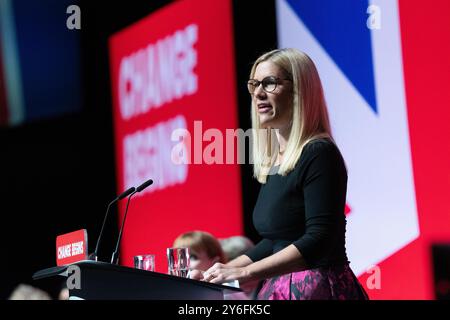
x,y
305,208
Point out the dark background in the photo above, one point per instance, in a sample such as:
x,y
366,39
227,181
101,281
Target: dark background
x,y
58,175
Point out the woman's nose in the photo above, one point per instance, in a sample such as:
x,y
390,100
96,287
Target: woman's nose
x,y
259,92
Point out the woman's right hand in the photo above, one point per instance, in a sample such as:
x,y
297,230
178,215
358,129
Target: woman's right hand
x,y
196,274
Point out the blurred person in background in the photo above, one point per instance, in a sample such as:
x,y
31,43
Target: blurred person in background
x,y
205,249
27,292
235,246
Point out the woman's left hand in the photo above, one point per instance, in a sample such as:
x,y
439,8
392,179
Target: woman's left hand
x,y
220,273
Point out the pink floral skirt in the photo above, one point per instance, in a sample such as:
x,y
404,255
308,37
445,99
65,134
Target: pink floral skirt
x,y
331,283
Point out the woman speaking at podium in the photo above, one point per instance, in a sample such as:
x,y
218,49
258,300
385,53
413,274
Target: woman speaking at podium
x,y
300,208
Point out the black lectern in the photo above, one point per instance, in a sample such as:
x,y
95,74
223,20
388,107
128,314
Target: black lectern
x,y
105,281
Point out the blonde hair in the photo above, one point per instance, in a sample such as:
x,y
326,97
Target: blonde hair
x,y
309,115
201,241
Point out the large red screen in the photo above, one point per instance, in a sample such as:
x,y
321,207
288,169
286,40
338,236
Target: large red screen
x,y
173,85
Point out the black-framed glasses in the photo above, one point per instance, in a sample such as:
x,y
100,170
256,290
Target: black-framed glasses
x,y
269,84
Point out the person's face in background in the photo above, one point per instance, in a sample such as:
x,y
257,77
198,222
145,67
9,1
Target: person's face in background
x,y
273,108
63,294
199,260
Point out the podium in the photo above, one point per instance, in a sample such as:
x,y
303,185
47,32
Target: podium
x,y
105,281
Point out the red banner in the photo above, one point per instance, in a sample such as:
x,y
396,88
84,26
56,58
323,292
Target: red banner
x,y
71,247
173,86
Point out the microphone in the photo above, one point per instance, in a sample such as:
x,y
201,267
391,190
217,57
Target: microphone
x,y
115,255
126,193
144,185
119,197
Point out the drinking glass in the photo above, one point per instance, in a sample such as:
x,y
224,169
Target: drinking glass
x,y
178,262
145,262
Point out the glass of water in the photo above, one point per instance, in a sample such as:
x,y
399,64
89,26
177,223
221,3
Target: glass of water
x,y
178,261
145,262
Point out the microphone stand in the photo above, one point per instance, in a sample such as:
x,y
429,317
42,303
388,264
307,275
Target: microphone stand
x,y
115,255
120,197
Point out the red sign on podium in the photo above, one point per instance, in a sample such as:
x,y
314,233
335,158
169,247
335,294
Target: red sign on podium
x,y
71,247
